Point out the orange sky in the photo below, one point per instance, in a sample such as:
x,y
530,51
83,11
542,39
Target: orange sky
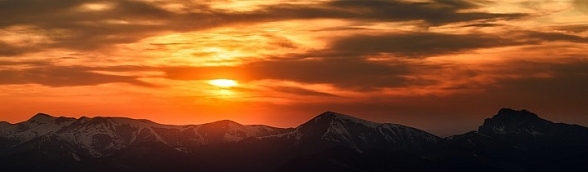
x,y
438,65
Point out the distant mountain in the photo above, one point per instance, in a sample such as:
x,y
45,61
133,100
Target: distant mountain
x,y
511,140
521,141
103,136
337,142
361,135
527,131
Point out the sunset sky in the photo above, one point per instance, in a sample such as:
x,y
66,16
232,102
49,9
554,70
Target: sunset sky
x,y
438,65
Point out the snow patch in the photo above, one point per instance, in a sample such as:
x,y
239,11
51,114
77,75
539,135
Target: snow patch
x,y
76,157
534,133
499,130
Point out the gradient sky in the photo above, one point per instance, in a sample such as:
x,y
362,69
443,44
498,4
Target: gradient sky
x,y
437,65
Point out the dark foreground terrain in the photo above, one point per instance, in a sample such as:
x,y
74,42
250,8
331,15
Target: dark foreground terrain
x,y
509,141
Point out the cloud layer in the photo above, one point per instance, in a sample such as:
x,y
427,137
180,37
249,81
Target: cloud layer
x,y
386,60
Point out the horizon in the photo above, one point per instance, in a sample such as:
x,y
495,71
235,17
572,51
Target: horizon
x,y
317,115
437,65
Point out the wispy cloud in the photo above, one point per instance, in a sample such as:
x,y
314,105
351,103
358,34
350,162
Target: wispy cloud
x,y
60,76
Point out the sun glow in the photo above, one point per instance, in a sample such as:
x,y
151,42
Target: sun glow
x,y
223,83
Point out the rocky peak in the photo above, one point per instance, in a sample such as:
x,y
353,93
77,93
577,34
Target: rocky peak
x,y
510,114
525,129
509,121
322,123
42,118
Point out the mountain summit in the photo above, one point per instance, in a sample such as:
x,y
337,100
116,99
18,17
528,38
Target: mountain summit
x,y
100,137
525,129
41,118
511,140
362,135
509,121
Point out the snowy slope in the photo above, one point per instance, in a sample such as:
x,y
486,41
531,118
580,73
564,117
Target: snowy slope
x,y
39,125
509,141
362,135
103,136
230,131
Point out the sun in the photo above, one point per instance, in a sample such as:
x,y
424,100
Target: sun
x,y
223,83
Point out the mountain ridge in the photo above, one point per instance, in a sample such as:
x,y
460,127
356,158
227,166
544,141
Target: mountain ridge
x,y
101,136
511,140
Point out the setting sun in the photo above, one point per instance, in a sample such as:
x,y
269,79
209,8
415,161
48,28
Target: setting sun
x,y
224,83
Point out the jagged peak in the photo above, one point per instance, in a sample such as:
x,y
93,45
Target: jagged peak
x,y
330,116
514,121
42,118
511,114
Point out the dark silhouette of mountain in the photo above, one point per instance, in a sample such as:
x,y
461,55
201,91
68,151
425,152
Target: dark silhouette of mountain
x,y
521,141
361,135
527,131
509,141
337,142
4,124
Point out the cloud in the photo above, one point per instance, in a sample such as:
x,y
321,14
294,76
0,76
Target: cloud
x,y
426,44
62,76
8,50
69,26
345,62
341,72
301,91
417,44
572,28
535,36
204,72
437,12
5,63
581,6
552,81
434,13
349,73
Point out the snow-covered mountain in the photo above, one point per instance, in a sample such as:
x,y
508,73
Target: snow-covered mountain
x,y
361,135
103,136
39,125
511,140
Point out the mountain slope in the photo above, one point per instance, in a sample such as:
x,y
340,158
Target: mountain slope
x,y
522,141
511,140
103,136
526,130
334,141
361,135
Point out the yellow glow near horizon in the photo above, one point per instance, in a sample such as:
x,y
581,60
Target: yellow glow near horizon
x,y
96,7
224,83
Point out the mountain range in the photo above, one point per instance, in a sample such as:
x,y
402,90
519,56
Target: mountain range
x,y
511,140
